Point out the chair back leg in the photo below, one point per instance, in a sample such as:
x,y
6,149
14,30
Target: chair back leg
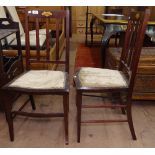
x,y
130,121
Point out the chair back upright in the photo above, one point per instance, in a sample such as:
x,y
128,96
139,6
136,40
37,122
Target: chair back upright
x,y
42,20
133,44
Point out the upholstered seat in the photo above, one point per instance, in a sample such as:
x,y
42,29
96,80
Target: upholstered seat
x,y
41,79
97,77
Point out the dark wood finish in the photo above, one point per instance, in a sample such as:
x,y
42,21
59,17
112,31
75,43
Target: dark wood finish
x,y
58,15
46,16
128,65
10,67
21,14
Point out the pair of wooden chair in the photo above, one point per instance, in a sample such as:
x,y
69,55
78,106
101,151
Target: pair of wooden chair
x,y
87,80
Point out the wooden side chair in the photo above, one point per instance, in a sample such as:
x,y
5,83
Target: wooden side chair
x,y
98,80
42,82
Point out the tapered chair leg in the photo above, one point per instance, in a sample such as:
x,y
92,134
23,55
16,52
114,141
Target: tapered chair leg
x,y
11,129
9,120
32,102
78,103
65,107
130,122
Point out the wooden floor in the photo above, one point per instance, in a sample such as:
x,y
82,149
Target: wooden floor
x,y
50,132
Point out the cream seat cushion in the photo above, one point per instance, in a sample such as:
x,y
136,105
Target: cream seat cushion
x,y
40,79
97,77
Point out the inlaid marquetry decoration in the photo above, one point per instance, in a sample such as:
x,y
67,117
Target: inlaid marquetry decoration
x,y
46,13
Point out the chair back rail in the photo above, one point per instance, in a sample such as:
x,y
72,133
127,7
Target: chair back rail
x,y
44,18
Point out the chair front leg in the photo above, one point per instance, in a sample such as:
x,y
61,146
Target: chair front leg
x,y
78,103
66,109
9,119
